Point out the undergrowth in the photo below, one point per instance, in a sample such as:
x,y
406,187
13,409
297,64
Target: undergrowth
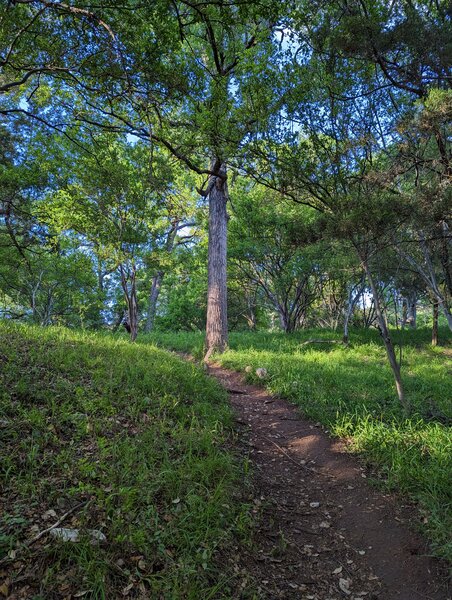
x,y
350,390
134,439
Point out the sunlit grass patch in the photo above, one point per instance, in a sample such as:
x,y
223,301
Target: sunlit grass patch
x,y
351,391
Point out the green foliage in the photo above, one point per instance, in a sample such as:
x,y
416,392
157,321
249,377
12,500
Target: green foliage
x,y
350,391
185,308
138,433
341,110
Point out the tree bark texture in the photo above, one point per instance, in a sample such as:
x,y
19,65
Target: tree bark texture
x,y
217,318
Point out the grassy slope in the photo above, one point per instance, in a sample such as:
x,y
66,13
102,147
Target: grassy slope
x,y
138,433
350,390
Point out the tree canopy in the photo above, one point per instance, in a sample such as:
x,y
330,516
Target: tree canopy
x,y
133,132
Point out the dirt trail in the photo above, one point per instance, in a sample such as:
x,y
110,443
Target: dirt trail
x,y
325,534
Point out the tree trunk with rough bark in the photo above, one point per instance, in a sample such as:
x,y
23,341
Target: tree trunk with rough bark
x,y
217,317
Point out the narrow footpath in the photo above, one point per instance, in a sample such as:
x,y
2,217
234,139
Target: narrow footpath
x,y
325,533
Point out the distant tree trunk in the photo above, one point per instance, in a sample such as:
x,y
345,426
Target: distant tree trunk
x,y
283,319
411,311
217,317
158,278
34,289
348,315
396,308
287,319
250,315
384,331
352,301
152,301
404,312
128,282
133,315
435,323
119,321
369,315
251,319
427,272
47,311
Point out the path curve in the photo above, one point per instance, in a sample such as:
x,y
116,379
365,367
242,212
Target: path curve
x,y
325,533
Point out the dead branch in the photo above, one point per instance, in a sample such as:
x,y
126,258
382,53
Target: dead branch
x,y
314,341
45,531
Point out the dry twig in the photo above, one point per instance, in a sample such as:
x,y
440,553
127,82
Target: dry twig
x,y
44,531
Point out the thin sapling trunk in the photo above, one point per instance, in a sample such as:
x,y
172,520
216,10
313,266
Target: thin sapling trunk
x,y
384,331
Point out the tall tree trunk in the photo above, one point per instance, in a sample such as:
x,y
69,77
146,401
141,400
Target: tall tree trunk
x,y
384,331
152,301
217,316
435,323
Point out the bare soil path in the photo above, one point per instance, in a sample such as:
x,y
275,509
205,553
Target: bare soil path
x,y
325,533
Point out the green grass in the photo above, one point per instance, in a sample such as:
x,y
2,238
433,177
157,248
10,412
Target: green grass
x,y
351,391
141,436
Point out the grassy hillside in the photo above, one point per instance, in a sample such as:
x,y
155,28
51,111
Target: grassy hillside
x,y
131,440
351,392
